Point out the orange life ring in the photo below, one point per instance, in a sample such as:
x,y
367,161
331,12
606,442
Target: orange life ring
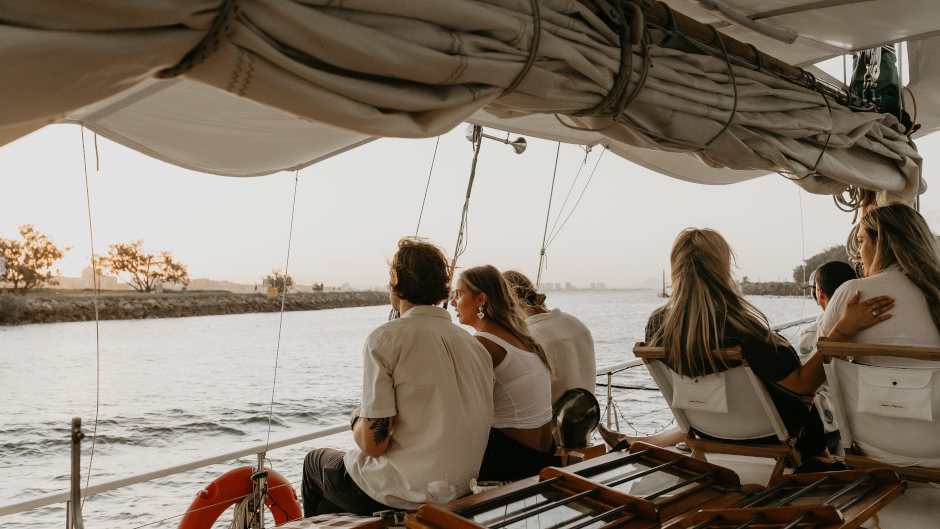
x,y
230,488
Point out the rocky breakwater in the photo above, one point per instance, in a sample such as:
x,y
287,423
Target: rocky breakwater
x,y
56,308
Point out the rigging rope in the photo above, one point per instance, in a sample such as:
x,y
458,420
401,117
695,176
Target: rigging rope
x,y
799,196
548,236
461,246
578,202
428,185
280,324
94,270
570,189
548,212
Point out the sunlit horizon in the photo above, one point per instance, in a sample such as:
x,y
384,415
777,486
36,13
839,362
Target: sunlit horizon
x,y
351,210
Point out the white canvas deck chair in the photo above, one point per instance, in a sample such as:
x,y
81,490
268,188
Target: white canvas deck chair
x,y
732,406
887,417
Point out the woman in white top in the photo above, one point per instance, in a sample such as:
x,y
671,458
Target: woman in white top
x,y
901,259
520,442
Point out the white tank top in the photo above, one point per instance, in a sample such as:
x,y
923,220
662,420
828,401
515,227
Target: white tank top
x,y
522,394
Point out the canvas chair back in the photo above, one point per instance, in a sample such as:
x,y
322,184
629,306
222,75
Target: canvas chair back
x,y
732,404
891,414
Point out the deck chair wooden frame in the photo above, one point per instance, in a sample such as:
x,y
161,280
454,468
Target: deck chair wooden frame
x,y
836,356
765,416
653,488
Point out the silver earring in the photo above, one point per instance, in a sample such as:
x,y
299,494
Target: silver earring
x,y
480,312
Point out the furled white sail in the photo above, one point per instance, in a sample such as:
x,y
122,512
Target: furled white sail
x,y
277,84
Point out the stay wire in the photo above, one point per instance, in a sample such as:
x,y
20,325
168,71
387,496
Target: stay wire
x,y
94,270
578,202
280,324
428,185
564,202
461,246
548,212
799,196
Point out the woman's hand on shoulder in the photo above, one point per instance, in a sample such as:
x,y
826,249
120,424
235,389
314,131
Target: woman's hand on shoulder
x,y
858,315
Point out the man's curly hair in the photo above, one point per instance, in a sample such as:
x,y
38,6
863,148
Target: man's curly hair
x,y
419,272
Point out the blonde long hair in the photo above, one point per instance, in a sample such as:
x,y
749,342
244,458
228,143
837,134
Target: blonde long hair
x,y
903,239
705,304
502,307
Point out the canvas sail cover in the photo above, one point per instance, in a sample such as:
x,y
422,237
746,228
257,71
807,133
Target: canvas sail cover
x,y
250,87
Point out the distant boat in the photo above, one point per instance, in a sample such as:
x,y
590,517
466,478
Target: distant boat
x,y
664,293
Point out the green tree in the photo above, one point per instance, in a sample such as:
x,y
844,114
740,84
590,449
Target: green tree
x,y
280,281
30,262
835,253
143,270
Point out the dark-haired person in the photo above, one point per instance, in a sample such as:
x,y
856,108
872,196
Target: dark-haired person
x,y
566,340
520,442
824,281
416,425
901,259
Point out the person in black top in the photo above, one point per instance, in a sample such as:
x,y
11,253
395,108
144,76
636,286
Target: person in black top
x,y
707,312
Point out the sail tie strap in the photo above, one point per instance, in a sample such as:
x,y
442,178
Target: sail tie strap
x,y
533,48
631,34
734,87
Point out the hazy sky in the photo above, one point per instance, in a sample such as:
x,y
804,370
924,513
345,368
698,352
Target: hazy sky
x,y
351,210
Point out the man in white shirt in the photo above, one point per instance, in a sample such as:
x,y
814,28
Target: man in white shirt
x,y
427,402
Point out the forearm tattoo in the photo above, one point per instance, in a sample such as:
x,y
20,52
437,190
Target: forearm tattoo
x,y
379,429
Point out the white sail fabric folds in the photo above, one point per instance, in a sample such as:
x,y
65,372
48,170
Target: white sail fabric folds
x,y
331,75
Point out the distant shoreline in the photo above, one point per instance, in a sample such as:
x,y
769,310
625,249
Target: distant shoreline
x,y
773,288
56,306
66,306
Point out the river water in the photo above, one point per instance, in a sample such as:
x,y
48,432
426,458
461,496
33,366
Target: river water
x,y
180,389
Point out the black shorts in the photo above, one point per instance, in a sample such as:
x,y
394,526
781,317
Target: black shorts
x,y
506,459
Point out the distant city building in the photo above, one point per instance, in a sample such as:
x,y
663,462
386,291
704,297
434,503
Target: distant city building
x,y
87,281
212,284
104,282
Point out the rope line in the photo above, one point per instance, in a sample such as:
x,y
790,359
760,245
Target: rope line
x,y
832,124
564,202
461,246
551,192
280,324
734,87
914,119
578,202
94,270
533,47
900,63
428,185
799,196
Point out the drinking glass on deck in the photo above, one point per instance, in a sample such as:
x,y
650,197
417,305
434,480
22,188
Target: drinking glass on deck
x,y
441,492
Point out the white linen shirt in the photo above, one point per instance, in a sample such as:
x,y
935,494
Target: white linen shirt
x,y
570,349
910,322
436,380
